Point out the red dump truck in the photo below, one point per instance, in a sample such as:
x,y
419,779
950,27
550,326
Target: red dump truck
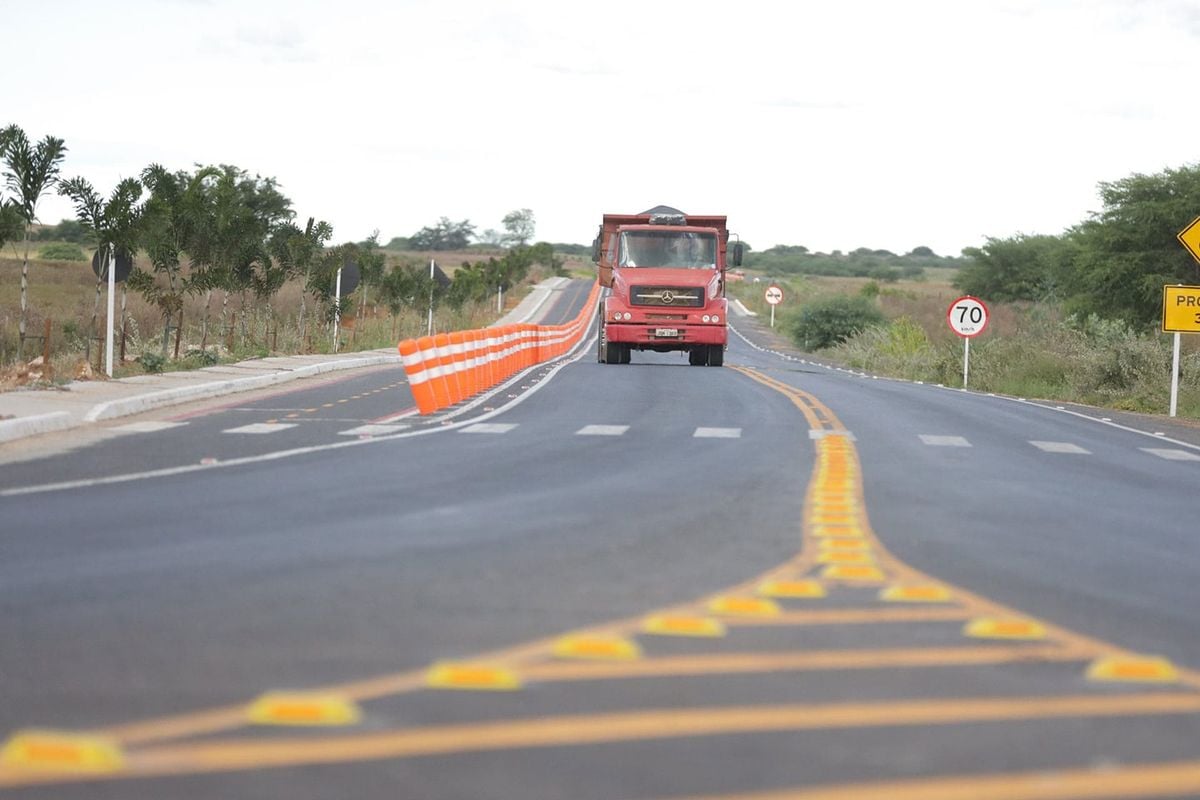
x,y
666,273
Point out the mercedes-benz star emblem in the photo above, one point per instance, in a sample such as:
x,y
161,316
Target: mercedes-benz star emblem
x,y
668,297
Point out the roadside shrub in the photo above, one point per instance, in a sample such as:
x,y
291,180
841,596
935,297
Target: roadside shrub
x,y
152,362
60,251
204,358
829,321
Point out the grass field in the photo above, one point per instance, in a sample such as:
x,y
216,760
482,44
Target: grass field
x,y
1028,350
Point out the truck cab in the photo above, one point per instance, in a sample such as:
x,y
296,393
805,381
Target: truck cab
x,y
666,272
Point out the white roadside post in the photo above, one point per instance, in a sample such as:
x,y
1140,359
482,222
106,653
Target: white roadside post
x,y
774,296
967,317
111,266
429,327
337,307
1181,314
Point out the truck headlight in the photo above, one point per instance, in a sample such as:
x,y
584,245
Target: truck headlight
x,y
706,318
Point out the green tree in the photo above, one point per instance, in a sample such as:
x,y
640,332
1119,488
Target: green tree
x,y
173,217
296,252
371,263
233,242
1128,251
519,225
1022,267
30,171
115,223
445,235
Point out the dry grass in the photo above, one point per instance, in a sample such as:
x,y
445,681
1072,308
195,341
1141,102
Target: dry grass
x,y
65,293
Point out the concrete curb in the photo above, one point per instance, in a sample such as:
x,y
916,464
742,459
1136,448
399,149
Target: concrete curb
x,y
166,397
21,427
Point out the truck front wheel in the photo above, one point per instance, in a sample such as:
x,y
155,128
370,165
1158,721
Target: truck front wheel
x,y
716,355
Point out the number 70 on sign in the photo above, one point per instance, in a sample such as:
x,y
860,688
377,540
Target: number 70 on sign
x,y
967,316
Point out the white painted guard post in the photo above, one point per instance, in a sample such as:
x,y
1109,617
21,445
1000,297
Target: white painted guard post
x,y
111,262
337,308
967,317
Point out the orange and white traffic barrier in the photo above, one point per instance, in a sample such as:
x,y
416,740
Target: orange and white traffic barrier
x,y
458,366
446,369
418,378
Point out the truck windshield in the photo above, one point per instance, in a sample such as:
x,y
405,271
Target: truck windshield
x,y
668,248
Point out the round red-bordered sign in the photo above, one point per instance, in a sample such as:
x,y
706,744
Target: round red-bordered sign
x,y
967,316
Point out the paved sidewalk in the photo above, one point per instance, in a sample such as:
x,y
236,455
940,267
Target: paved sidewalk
x,y
30,412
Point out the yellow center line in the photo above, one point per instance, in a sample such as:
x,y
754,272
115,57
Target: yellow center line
x,y
575,730
897,570
797,661
1171,779
853,616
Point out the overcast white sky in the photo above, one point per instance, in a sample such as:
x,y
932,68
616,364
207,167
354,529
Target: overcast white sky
x,y
857,123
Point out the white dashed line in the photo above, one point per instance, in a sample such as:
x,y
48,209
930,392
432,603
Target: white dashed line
x,y
489,427
148,426
262,427
602,430
373,430
717,433
1171,455
1061,447
943,441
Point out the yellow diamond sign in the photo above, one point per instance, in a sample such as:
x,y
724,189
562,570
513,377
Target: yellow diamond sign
x,y
1189,237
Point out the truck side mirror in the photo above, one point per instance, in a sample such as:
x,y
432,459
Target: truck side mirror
x,y
596,250
737,254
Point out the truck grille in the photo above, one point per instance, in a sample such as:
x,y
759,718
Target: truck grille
x,y
676,296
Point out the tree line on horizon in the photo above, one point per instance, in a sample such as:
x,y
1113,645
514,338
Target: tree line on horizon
x,y
1112,265
219,230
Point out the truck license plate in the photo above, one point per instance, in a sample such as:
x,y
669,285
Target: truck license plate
x,y
666,332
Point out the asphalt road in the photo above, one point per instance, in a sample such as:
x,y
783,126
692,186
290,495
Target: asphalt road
x,y
153,584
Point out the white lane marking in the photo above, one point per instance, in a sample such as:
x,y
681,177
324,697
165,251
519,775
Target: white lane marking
x,y
373,430
1171,455
602,430
149,426
943,441
489,427
582,348
262,427
1061,447
717,433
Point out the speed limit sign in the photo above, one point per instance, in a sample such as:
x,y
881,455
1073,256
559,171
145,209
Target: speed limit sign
x,y
967,316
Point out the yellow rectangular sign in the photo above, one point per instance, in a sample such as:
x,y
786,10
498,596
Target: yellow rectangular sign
x,y
1181,309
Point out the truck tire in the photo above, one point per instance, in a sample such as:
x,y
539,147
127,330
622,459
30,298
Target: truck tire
x,y
601,344
716,355
698,356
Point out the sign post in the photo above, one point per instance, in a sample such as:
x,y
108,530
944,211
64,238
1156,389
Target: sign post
x,y
774,297
1181,306
967,317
